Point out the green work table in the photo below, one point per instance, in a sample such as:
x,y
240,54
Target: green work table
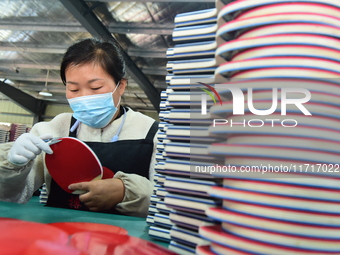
x,y
34,211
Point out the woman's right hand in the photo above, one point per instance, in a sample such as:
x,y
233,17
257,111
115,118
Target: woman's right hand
x,y
27,147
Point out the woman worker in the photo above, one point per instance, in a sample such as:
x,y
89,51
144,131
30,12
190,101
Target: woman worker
x,y
123,140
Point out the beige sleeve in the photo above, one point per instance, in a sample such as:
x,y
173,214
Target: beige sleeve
x,y
138,190
14,184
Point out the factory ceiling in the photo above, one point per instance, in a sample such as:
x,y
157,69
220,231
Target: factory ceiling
x,y
34,34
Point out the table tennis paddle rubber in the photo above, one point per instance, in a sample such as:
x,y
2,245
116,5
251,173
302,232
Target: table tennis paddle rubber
x,y
107,173
17,236
74,227
104,243
74,161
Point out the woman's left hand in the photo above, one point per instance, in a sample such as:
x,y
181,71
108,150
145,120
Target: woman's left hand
x,y
101,195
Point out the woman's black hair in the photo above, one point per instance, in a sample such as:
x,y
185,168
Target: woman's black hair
x,y
105,53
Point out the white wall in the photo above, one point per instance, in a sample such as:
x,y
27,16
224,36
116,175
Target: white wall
x,y
12,113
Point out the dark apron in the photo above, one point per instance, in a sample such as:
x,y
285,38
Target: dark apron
x,y
128,156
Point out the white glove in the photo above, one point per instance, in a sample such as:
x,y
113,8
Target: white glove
x,y
27,147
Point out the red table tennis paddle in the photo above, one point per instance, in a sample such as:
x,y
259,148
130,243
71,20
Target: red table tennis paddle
x,y
16,236
104,243
73,161
43,247
74,227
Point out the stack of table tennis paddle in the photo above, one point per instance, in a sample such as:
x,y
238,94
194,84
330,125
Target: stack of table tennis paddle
x,y
288,200
259,47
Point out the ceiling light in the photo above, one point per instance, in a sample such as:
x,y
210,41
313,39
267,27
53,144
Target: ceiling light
x,y
45,91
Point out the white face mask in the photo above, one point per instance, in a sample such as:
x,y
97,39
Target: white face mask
x,y
95,110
